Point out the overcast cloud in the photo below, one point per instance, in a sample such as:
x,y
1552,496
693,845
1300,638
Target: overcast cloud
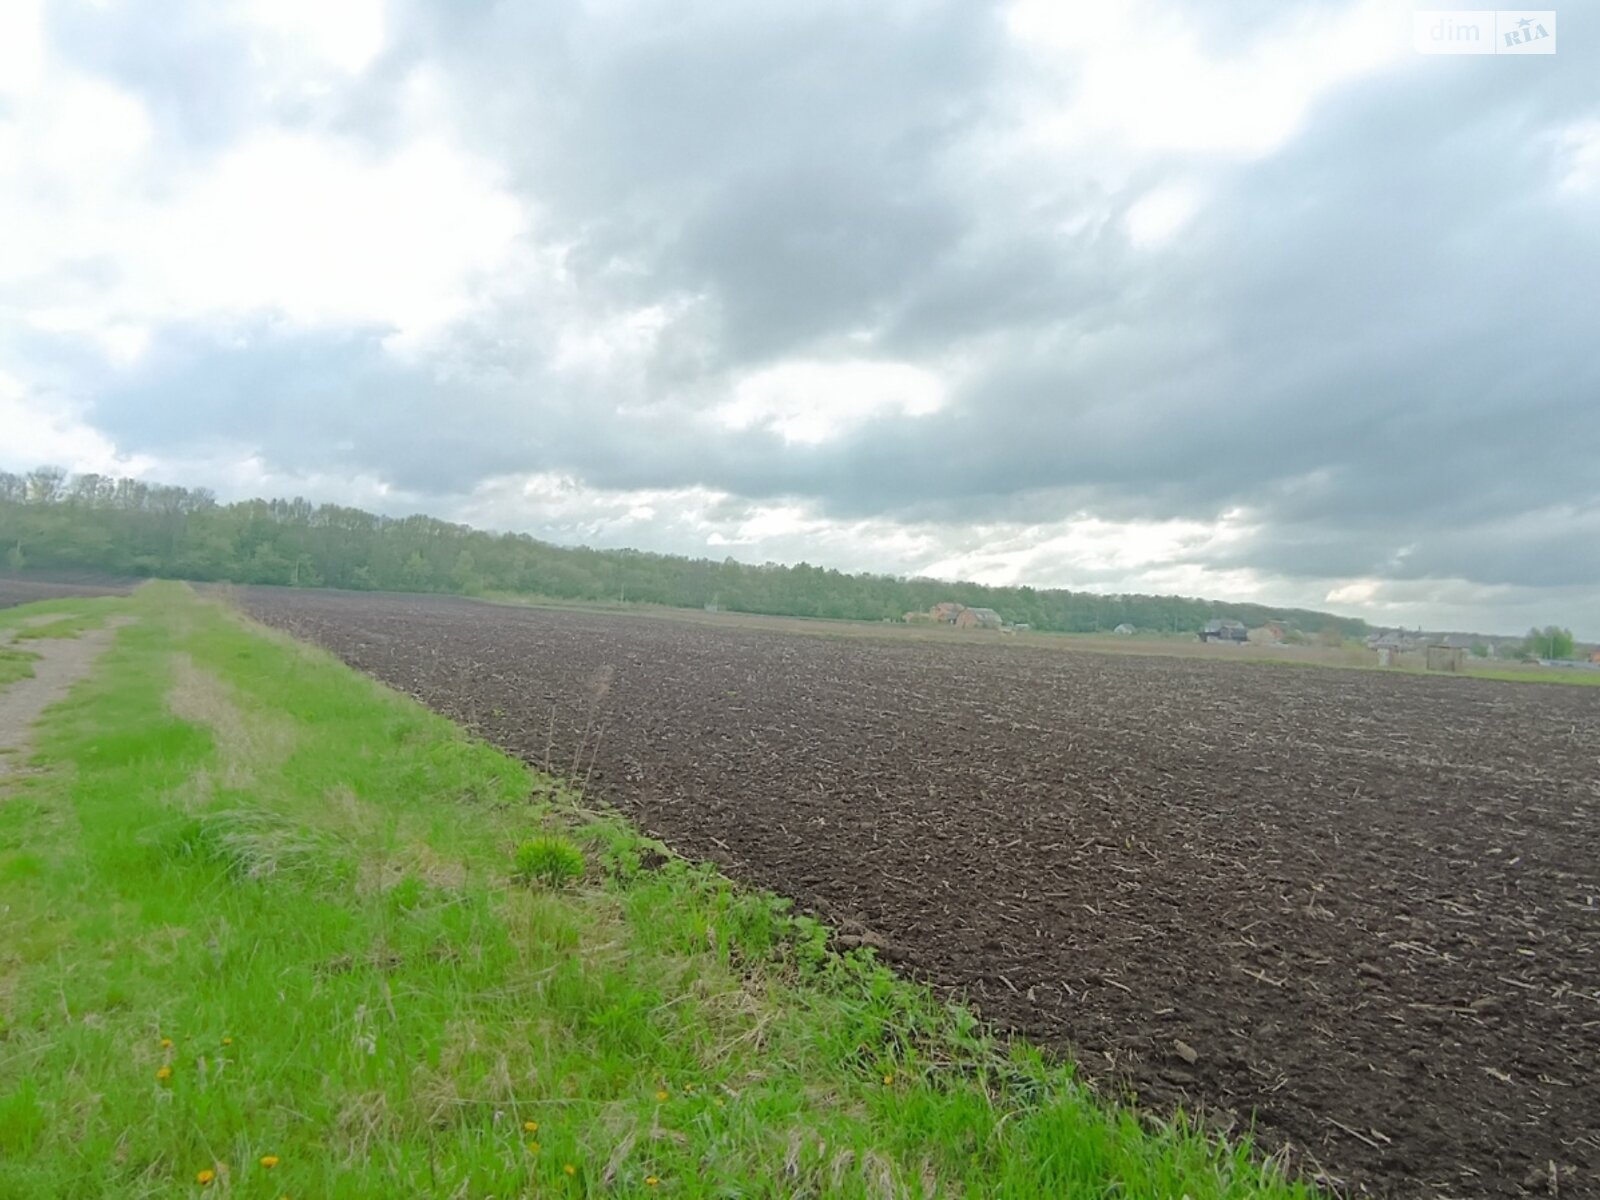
x,y
1268,307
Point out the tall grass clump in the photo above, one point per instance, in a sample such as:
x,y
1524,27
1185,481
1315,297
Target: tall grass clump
x,y
549,860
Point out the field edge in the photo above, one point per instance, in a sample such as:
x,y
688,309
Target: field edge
x,y
824,1067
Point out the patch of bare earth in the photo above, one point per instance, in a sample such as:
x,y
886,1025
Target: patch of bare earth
x,y
58,664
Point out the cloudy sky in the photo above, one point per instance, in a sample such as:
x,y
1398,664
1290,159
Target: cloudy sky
x,y
1249,301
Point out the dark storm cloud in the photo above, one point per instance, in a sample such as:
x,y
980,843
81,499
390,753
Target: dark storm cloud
x,y
1376,339
780,158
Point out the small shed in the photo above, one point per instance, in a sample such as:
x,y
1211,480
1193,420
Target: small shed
x,y
947,611
1123,630
1444,658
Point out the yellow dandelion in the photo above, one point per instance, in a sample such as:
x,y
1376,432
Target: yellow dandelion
x,y
227,1041
651,1181
533,1147
662,1095
204,1178
570,1169
164,1073
531,1126
269,1161
888,1081
166,1043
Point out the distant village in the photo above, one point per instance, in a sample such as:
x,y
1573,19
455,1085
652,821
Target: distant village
x,y
1389,647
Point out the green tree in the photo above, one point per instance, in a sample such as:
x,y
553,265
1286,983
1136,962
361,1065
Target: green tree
x,y
1550,642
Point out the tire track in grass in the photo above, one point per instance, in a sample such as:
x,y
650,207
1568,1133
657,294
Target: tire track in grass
x,y
57,664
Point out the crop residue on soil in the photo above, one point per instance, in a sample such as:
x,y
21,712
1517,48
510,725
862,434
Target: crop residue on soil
x,y
1363,909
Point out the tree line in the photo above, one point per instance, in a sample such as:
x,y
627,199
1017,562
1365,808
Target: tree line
x,y
52,520
1550,642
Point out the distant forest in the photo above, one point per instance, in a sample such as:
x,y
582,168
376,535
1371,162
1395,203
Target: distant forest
x,y
52,520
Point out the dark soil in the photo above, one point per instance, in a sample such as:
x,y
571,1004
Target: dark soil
x,y
1361,910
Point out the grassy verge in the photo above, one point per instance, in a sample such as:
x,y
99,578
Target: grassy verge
x,y
58,618
14,665
1558,675
266,935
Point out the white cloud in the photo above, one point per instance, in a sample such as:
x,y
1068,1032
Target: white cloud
x,y
601,345
41,432
345,34
327,235
1134,75
21,46
299,226
1160,213
1578,159
1357,592
815,402
1083,547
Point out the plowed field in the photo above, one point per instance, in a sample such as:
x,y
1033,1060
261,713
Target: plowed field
x,y
1361,909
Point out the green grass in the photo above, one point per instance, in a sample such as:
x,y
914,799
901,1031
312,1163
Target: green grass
x,y
69,626
1572,677
14,665
257,905
69,615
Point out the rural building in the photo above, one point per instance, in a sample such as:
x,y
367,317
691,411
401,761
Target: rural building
x,y
978,618
1396,641
1444,658
948,612
1124,630
1270,634
1595,656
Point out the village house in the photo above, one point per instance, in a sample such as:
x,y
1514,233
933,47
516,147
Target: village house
x,y
978,618
1396,641
948,612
